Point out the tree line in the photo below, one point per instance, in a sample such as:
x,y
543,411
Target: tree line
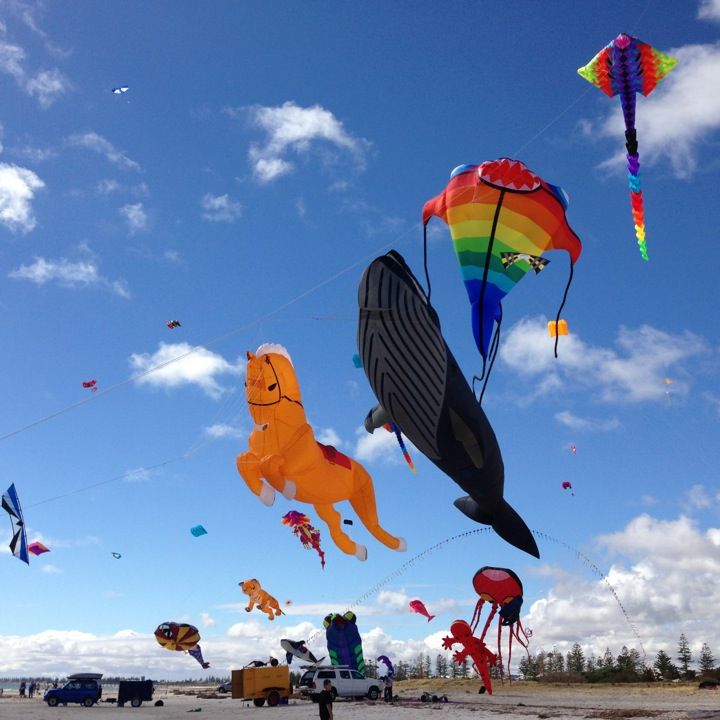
x,y
628,666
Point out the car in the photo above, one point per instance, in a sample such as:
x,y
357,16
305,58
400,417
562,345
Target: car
x,y
225,687
83,688
346,682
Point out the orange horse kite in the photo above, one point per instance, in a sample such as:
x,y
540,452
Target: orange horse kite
x,y
283,452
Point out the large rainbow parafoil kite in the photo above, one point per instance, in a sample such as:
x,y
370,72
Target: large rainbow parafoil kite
x,y
625,67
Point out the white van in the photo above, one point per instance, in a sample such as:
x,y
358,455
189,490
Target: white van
x,y
346,682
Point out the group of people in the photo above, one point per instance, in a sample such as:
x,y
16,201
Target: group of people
x,y
31,688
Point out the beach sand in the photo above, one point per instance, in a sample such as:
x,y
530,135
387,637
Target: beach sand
x,y
516,701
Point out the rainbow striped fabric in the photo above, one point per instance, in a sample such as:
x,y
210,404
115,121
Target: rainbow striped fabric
x,y
495,209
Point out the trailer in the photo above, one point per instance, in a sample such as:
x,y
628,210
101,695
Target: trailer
x,y
134,692
262,684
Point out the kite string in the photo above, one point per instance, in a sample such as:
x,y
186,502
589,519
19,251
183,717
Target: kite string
x,y
207,343
477,531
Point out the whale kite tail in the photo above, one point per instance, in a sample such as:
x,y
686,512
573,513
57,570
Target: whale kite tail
x,y
504,521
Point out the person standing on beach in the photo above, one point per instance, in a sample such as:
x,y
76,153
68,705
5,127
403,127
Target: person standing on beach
x,y
388,695
325,701
22,689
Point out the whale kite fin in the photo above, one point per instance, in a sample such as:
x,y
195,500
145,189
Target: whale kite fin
x,y
504,521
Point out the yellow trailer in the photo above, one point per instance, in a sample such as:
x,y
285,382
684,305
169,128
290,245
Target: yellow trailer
x,y
261,684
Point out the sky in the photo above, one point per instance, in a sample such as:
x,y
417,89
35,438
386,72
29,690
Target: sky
x,y
262,155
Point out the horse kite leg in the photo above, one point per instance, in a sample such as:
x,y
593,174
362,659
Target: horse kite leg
x,y
364,504
248,465
332,518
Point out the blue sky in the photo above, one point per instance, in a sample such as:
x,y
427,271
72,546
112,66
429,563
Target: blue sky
x,y
261,156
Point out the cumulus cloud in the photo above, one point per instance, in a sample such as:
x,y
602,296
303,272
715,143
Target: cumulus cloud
x,y
292,129
668,582
176,364
45,86
709,10
135,216
380,447
97,143
633,372
328,436
220,208
678,116
577,423
17,191
81,274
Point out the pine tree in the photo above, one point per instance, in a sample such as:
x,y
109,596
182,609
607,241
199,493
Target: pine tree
x,y
684,655
664,666
591,663
576,659
607,661
707,661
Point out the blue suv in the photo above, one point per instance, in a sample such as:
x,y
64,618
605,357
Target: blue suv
x,y
83,688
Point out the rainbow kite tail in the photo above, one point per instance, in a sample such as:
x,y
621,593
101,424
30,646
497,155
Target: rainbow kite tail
x,y
392,427
636,196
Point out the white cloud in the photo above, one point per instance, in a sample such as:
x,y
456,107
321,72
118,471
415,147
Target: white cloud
x,y
206,620
300,207
632,373
84,273
328,436
182,364
46,85
97,143
108,186
17,191
136,217
709,10
380,446
670,585
698,497
35,154
222,430
290,128
577,423
681,113
220,208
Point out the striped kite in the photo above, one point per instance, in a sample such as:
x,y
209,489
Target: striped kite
x,y
18,543
625,67
502,218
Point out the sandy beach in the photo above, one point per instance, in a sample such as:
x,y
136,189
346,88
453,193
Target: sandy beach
x,y
518,701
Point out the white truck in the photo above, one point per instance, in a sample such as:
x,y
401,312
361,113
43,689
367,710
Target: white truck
x,y
346,682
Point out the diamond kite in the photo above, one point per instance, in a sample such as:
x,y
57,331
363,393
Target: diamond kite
x,y
37,548
198,530
11,505
173,324
625,67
